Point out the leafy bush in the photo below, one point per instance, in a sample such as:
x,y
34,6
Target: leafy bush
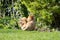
x,y
1,26
8,23
46,12
43,11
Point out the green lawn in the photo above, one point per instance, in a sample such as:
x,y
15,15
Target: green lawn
x,y
9,34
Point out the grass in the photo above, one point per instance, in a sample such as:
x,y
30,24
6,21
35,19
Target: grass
x,y
9,34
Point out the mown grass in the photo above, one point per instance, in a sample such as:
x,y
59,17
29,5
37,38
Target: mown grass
x,y
9,34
